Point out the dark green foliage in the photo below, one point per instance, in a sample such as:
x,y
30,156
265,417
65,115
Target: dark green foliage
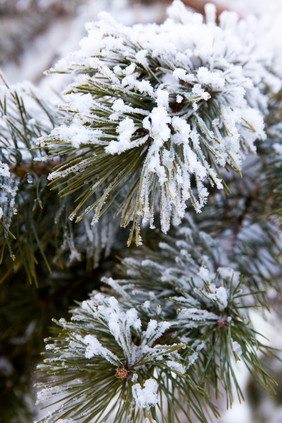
x,y
25,315
46,260
35,227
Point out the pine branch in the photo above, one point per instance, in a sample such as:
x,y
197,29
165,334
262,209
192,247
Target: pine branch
x,y
190,321
25,315
34,221
137,370
156,119
177,123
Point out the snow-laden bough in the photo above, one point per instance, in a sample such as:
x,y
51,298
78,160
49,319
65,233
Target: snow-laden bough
x,y
157,112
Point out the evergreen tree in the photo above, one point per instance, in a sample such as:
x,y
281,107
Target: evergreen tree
x,y
167,136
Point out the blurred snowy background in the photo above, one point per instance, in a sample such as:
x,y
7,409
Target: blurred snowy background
x,y
34,34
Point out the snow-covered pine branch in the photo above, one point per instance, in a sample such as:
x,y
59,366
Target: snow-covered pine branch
x,y
34,222
109,362
156,112
156,119
167,331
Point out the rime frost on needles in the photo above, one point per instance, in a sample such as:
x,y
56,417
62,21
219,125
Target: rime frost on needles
x,y
107,340
207,305
176,322
25,117
121,324
157,110
22,120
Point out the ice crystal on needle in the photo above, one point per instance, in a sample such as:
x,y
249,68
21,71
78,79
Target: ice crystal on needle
x,y
166,108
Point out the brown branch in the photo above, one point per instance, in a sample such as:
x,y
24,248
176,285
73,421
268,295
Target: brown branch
x,y
39,168
199,6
